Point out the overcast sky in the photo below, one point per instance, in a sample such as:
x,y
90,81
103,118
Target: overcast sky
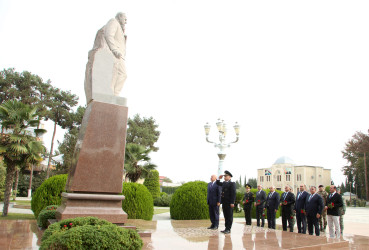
x,y
294,74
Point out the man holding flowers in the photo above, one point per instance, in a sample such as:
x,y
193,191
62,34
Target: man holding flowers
x,y
334,202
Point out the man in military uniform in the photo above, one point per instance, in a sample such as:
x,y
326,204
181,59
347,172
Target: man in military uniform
x,y
259,205
228,198
247,201
342,211
287,202
323,218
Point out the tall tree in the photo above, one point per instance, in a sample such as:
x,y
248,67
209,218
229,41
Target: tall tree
x,y
143,131
67,146
355,153
60,113
19,145
137,162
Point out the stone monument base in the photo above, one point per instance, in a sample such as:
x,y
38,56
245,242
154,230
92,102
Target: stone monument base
x,y
102,206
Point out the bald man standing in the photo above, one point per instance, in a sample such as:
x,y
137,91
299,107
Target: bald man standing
x,y
214,202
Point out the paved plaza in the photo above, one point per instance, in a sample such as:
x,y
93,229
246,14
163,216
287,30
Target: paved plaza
x,y
176,234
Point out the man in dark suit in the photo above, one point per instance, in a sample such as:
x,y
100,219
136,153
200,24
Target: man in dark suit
x,y
228,198
213,202
300,209
259,205
314,208
247,201
287,203
272,205
334,202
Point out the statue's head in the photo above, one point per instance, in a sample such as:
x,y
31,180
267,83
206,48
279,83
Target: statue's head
x,y
122,18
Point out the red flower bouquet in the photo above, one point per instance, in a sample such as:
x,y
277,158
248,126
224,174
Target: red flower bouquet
x,y
331,205
302,211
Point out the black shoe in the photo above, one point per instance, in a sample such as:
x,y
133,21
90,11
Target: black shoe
x,y
211,227
226,231
214,228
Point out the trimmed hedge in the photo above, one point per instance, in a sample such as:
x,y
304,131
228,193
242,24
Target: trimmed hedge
x,y
46,214
89,233
163,200
152,183
49,193
189,202
138,202
169,190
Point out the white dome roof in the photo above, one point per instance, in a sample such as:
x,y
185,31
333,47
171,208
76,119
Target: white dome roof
x,y
284,160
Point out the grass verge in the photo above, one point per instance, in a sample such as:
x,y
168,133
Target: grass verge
x,y
14,216
161,210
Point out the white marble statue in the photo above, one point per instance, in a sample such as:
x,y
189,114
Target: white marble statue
x,y
105,69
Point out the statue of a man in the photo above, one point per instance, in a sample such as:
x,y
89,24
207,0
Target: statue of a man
x,y
106,60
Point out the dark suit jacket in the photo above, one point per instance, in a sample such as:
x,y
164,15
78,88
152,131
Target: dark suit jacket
x,y
314,206
273,202
260,197
213,193
290,198
228,195
336,199
300,201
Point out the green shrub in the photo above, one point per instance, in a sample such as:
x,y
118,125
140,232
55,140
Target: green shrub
x,y
189,202
46,214
49,193
138,202
163,200
169,190
152,183
89,233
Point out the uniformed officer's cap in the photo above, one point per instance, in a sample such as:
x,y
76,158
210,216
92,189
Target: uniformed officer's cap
x,y
321,186
248,185
228,173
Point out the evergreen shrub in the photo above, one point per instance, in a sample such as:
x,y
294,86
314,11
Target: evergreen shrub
x,y
163,200
46,214
89,233
189,202
138,202
2,180
152,183
49,193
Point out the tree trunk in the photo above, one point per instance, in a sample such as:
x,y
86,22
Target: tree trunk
x,y
10,171
30,182
51,152
15,190
366,178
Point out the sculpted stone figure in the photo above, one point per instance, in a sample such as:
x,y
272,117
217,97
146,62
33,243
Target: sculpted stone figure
x,y
106,70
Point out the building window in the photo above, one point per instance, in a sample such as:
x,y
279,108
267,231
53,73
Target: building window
x,y
261,178
288,177
268,178
279,178
299,177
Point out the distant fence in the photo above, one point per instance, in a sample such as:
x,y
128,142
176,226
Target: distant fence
x,y
169,190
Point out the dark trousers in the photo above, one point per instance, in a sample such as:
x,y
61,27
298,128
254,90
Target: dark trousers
x,y
228,215
259,215
271,218
286,217
313,221
214,215
301,222
247,209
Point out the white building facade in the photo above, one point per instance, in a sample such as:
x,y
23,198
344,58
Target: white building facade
x,y
285,172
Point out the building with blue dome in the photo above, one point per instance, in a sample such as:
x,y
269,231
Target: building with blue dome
x,y
285,171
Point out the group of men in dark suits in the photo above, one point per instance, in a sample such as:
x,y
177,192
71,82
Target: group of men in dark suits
x,y
308,207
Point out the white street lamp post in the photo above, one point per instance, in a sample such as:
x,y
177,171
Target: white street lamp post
x,y
222,145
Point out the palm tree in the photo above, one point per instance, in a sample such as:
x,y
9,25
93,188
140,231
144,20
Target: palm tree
x,y
137,162
19,146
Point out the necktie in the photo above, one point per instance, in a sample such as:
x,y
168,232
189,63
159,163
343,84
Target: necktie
x,y
284,197
298,196
270,195
311,196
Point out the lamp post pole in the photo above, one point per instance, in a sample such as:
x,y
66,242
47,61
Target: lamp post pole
x,y
222,145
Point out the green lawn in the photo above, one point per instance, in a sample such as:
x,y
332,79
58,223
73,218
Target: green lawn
x,y
161,210
14,216
22,202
